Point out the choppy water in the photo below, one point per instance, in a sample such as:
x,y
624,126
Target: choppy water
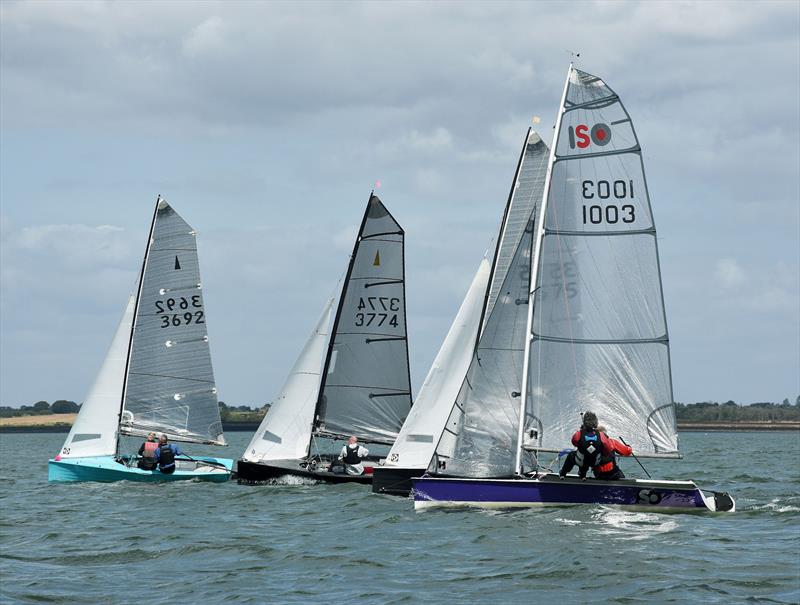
x,y
191,542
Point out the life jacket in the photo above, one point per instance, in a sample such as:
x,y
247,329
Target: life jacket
x,y
150,448
351,455
166,457
606,464
590,449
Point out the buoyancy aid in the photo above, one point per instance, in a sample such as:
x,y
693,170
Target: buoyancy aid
x,y
166,457
590,449
351,455
149,450
606,463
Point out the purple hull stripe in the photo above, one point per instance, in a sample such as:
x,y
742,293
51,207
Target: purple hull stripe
x,y
556,492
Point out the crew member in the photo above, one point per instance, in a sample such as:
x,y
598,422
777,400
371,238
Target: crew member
x,y
165,455
147,453
352,456
595,450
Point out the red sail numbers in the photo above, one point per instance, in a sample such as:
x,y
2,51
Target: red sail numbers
x,y
581,136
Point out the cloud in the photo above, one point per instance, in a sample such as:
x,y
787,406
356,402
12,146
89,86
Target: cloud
x,y
729,274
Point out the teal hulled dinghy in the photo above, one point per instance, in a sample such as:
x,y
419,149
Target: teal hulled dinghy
x,y
157,375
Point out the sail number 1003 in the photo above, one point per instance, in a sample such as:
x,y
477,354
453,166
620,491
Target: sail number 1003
x,y
611,213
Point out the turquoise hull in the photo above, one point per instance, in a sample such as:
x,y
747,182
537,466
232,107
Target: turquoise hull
x,y
107,469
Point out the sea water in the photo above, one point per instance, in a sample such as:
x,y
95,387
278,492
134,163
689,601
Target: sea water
x,y
194,542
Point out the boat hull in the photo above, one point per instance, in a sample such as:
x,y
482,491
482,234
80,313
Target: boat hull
x,y
107,469
394,481
549,490
264,472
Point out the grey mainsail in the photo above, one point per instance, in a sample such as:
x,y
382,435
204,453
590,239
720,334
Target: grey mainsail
x,y
170,382
366,386
599,332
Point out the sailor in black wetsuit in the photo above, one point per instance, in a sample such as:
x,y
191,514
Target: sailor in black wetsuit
x,y
352,455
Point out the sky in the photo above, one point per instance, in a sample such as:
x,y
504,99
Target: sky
x,y
266,125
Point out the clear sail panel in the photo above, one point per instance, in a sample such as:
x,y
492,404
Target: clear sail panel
x,y
170,386
367,390
626,385
599,329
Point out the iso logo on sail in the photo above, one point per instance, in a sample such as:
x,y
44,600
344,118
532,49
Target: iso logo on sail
x,y
581,136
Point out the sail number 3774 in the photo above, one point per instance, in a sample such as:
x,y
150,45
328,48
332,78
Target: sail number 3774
x,y
596,214
377,311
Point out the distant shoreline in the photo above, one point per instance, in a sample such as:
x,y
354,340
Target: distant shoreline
x,y
61,423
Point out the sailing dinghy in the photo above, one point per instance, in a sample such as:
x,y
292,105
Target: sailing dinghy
x,y
353,382
595,336
416,443
157,375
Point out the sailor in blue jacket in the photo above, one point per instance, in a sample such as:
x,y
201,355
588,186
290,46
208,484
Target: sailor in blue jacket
x,y
165,455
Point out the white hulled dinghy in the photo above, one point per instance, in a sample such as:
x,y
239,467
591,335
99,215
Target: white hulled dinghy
x,y
157,375
416,443
353,382
595,336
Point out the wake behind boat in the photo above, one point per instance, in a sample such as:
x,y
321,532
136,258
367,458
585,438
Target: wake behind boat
x,y
595,336
157,375
355,382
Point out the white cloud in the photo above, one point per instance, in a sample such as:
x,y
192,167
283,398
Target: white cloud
x,y
207,38
729,274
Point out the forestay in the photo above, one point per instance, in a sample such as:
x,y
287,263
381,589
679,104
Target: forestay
x,y
526,192
170,384
285,432
366,387
599,337
417,439
94,432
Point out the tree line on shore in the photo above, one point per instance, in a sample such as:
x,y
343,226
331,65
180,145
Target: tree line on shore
x,y
705,411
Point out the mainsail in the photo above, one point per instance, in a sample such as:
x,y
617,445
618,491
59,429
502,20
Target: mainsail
x,y
285,432
170,383
526,192
366,386
417,439
599,332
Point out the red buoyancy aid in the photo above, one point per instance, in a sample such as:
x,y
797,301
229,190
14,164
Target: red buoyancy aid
x,y
150,448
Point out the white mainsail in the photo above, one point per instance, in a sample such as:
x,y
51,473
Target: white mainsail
x,y
417,439
94,432
598,333
285,432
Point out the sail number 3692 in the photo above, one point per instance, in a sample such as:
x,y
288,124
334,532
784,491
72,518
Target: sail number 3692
x,y
611,213
376,310
187,311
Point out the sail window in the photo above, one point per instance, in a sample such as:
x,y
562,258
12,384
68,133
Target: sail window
x,y
85,437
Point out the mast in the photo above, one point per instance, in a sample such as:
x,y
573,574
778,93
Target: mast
x,y
503,225
133,322
339,307
534,270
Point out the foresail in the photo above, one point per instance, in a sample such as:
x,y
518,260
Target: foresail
x,y
366,388
479,438
94,432
170,386
285,432
417,439
526,192
599,328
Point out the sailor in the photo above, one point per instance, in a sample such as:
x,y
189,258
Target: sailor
x,y
595,450
147,453
165,455
352,455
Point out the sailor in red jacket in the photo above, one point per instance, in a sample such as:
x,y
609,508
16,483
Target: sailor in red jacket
x,y
595,450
